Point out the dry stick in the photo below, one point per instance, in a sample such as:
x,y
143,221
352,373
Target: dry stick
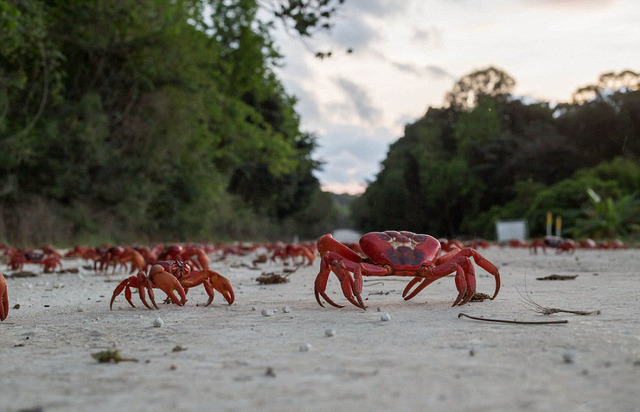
x,y
550,322
374,283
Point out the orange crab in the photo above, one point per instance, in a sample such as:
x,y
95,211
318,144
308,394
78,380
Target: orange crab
x,y
393,253
4,298
173,276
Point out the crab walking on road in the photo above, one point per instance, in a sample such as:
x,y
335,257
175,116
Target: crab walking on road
x,y
394,253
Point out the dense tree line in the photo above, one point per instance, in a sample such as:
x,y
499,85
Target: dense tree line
x,y
128,120
488,155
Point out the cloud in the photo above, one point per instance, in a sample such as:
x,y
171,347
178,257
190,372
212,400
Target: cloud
x,y
378,8
575,5
351,155
431,36
354,33
429,70
358,99
307,104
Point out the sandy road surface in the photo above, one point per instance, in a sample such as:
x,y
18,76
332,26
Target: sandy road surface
x,y
234,358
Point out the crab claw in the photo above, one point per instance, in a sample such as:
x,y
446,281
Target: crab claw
x,y
4,298
168,284
220,283
211,280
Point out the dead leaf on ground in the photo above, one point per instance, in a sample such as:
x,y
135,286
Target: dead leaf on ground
x,y
479,297
271,278
23,274
111,356
558,277
69,270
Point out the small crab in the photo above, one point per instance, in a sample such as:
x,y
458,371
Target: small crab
x,y
170,276
393,253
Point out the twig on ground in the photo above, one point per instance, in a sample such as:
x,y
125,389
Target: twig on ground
x,y
519,322
382,292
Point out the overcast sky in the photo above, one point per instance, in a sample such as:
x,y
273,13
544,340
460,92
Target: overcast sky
x,y
408,53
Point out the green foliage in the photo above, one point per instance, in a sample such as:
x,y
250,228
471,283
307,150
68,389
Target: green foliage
x,y
490,81
609,218
128,120
489,156
565,199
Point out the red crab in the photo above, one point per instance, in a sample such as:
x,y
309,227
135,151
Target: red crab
x,y
170,276
4,298
19,258
393,253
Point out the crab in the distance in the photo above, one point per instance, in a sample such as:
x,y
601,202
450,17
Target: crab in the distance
x,y
393,253
173,276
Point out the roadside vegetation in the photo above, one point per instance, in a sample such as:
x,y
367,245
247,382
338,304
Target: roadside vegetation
x,y
138,120
488,155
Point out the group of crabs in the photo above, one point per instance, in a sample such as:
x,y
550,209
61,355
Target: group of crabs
x,y
389,253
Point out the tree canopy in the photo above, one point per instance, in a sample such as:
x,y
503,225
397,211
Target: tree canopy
x,y
149,120
488,155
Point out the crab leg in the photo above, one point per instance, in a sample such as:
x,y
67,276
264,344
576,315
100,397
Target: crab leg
x,y
458,261
141,282
465,283
124,285
4,298
351,286
321,283
431,275
144,282
484,264
127,295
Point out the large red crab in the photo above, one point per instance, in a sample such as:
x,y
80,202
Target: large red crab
x,y
393,253
171,276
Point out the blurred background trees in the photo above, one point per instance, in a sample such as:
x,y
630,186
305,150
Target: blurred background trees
x,y
133,120
489,155
136,120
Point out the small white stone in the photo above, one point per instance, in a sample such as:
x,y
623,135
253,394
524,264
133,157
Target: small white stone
x,y
254,308
79,308
305,347
158,322
286,309
267,312
330,332
385,317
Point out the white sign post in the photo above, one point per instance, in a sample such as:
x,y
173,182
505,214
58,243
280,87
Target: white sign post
x,y
512,229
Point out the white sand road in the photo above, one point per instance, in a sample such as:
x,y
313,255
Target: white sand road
x,y
424,358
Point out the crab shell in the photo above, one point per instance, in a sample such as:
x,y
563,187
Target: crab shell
x,y
404,251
